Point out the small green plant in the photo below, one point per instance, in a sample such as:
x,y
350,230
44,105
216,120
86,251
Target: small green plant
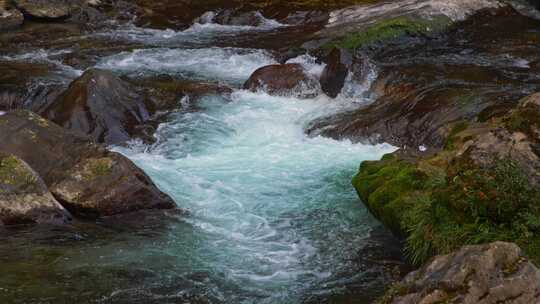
x,y
439,213
451,139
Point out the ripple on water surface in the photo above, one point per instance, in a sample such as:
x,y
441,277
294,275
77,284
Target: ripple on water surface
x,y
273,219
272,209
233,65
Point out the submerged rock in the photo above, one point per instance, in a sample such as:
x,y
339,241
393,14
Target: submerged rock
x,y
24,197
84,177
484,274
101,105
284,80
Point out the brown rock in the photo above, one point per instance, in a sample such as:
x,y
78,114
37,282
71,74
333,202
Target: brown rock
x,y
24,197
43,9
83,176
16,84
485,274
284,80
101,105
165,92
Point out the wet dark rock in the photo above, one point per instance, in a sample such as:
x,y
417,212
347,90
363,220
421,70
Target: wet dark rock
x,y
83,176
239,18
101,105
15,82
423,86
383,20
166,92
483,274
24,197
284,80
87,15
173,14
44,9
340,64
40,96
306,17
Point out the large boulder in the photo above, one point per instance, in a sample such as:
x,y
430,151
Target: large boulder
x,y
284,80
24,197
44,9
101,105
484,274
83,176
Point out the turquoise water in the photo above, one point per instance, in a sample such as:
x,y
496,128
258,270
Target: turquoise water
x,y
272,211
273,217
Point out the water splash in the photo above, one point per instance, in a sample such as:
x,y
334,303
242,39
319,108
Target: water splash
x,y
265,198
203,32
233,65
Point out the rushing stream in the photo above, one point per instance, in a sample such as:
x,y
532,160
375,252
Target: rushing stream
x,y
272,215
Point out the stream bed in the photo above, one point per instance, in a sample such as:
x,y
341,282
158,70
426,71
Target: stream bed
x,y
272,216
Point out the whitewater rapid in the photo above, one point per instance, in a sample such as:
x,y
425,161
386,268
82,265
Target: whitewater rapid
x,y
268,201
272,210
272,217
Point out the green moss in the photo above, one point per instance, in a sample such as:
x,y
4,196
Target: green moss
x,y
524,120
387,30
451,139
95,168
14,175
396,290
381,186
438,211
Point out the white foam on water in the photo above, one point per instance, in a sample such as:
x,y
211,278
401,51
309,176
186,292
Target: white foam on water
x,y
46,57
259,189
206,23
358,90
204,31
228,64
309,63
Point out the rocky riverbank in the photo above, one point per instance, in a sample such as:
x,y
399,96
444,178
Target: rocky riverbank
x,y
452,84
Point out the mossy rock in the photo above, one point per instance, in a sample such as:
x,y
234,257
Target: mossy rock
x,y
24,197
390,29
15,176
439,209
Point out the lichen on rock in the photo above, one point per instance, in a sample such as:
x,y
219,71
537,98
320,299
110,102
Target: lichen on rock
x,y
24,197
483,274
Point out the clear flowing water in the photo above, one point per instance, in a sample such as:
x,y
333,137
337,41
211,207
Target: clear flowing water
x,y
272,218
272,211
